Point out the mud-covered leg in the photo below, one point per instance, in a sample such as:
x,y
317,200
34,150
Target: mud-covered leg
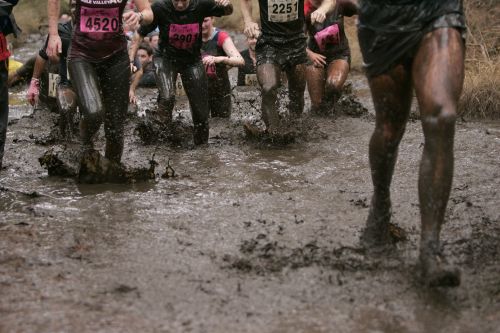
x,y
165,75
194,79
296,88
4,107
86,86
66,103
269,77
337,75
115,86
391,93
315,77
438,73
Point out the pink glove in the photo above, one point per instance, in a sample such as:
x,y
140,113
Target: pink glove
x,y
33,91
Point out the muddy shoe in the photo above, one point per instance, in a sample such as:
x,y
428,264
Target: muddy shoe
x,y
379,230
63,161
283,137
148,131
252,131
437,272
95,168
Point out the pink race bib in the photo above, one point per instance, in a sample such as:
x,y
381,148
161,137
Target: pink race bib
x,y
329,35
4,51
210,69
183,36
99,20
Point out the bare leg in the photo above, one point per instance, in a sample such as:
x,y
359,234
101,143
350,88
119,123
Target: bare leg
x,y
66,102
391,93
86,86
438,73
315,77
269,80
296,88
337,75
165,75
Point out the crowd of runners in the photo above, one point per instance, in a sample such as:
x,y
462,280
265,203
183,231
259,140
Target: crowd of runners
x,y
105,49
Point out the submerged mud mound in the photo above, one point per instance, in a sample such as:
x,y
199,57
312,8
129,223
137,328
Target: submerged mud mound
x,y
96,168
91,167
263,255
152,131
61,161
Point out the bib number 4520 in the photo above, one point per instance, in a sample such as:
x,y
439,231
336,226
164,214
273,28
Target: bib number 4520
x,y
99,20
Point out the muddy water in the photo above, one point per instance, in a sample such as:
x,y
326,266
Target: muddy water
x,y
246,238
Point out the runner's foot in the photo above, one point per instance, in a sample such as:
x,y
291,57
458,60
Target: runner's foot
x,y
436,271
379,230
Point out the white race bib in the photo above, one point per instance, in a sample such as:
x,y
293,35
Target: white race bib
x,y
251,80
282,10
179,88
53,81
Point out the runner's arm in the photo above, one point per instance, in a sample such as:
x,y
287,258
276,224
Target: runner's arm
x,y
34,87
319,15
54,46
233,58
136,41
143,16
226,4
251,28
133,86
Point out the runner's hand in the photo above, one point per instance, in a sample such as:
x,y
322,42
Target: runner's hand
x,y
208,60
33,91
132,97
317,59
252,30
131,19
133,68
318,16
222,3
54,47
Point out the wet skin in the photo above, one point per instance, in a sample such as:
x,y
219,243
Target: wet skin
x,y
103,96
269,76
67,103
437,73
325,86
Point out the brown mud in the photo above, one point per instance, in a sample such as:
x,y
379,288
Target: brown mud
x,y
242,236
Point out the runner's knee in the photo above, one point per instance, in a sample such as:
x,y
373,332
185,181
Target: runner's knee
x,y
441,116
269,87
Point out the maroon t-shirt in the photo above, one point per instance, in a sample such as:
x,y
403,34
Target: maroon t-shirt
x,y
98,31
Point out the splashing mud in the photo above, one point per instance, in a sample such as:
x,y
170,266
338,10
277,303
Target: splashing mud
x,y
241,236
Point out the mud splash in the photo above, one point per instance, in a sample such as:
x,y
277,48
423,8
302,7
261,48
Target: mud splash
x,y
240,237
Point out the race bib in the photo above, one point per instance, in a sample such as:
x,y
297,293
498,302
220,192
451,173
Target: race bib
x,y
210,69
179,88
53,81
328,36
4,50
99,20
282,10
251,80
183,36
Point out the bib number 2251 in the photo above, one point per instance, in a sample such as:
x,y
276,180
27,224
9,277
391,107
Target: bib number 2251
x,y
282,10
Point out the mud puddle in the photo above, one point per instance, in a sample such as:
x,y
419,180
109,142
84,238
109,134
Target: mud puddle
x,y
245,238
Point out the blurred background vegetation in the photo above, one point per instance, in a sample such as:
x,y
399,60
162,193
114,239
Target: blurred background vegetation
x,y
481,95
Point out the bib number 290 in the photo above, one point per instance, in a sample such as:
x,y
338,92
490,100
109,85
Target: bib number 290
x,y
283,10
183,36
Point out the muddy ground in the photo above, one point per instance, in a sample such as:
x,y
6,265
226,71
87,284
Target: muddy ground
x,y
247,238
